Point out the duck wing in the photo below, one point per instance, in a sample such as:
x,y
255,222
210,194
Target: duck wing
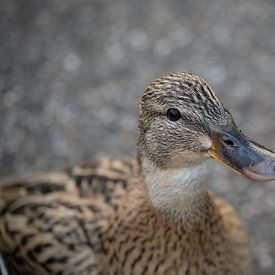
x,y
52,223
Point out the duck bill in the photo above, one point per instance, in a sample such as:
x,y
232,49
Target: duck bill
x,y
234,150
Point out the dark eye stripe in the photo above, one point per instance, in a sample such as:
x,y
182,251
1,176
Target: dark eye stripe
x,y
173,114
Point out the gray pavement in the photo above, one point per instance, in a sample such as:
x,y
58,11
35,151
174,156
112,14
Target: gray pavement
x,y
72,72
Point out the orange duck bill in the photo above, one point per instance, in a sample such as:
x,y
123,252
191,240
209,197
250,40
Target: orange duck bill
x,y
233,149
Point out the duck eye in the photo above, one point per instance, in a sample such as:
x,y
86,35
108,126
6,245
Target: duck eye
x,y
173,114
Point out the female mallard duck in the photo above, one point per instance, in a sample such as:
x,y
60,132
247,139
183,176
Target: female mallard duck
x,y
153,215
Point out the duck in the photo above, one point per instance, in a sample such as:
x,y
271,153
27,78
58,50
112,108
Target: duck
x,y
152,214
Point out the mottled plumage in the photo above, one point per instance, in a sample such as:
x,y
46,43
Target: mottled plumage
x,y
153,215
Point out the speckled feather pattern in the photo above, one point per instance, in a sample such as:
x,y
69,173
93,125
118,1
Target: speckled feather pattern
x,y
196,100
198,97
100,218
96,219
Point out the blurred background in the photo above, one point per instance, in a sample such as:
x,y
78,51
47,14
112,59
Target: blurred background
x,y
72,73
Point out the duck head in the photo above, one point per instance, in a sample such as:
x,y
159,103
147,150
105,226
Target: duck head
x,y
182,123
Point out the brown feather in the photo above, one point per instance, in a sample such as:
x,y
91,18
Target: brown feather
x,y
98,218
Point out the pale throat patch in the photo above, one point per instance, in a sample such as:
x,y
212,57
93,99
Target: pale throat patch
x,y
174,188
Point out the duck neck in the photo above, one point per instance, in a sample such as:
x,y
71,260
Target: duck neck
x,y
178,193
